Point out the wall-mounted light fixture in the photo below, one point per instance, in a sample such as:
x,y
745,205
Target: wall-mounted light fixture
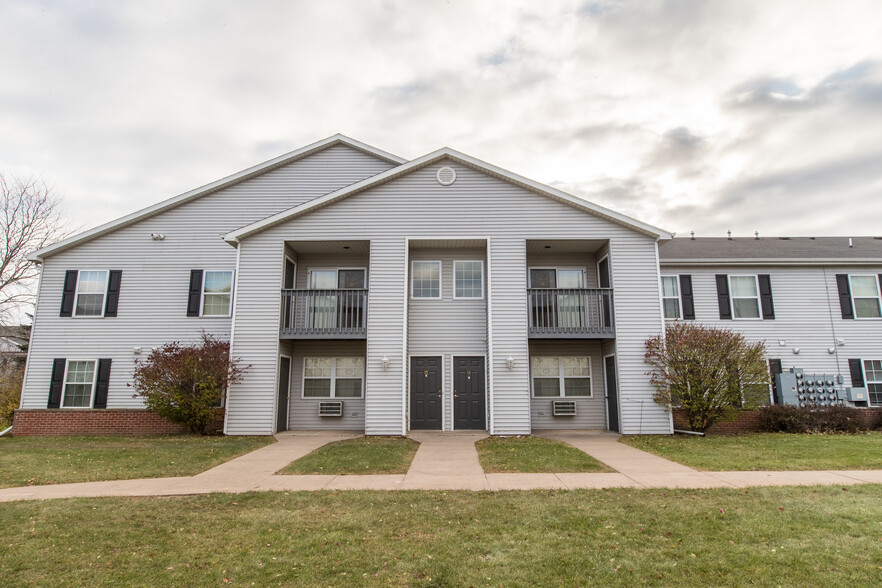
x,y
796,351
831,350
385,361
509,362
840,342
157,236
136,351
782,342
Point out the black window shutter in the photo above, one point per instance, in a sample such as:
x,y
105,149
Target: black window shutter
x,y
195,296
774,370
56,383
857,373
723,296
765,288
113,282
67,296
686,298
844,296
102,383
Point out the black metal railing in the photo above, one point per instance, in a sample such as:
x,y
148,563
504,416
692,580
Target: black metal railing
x,y
571,312
322,314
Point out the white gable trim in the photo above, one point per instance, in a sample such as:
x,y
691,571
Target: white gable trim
x,y
176,201
234,237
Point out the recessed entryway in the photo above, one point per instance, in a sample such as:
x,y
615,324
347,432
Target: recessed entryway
x,y
426,393
469,393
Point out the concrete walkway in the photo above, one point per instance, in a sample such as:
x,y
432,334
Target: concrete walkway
x,y
444,461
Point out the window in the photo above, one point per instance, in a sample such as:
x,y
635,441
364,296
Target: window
x,y
217,292
745,297
873,376
79,383
425,279
865,295
551,375
91,288
330,377
468,279
671,297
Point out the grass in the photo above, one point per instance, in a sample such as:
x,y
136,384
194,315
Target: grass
x,y
27,461
767,451
534,455
796,536
364,455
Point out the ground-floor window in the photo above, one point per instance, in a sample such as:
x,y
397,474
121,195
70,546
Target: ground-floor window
x,y
873,376
79,384
333,377
561,376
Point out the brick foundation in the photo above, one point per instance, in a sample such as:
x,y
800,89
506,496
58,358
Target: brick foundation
x,y
98,422
748,420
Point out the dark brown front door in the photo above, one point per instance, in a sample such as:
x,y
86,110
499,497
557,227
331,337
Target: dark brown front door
x,y
425,393
284,381
468,393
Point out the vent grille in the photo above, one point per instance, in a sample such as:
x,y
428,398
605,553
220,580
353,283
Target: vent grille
x,y
564,407
445,176
331,409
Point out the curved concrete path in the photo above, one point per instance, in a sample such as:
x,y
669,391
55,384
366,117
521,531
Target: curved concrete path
x,y
444,461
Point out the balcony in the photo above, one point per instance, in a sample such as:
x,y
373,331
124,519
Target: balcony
x,y
571,313
324,314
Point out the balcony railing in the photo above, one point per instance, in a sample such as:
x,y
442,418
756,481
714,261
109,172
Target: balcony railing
x,y
324,314
571,312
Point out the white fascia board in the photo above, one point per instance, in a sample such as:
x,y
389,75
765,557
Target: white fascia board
x,y
765,261
234,237
230,180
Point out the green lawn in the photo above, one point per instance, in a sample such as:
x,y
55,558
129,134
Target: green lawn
x,y
796,536
767,451
364,455
55,460
534,455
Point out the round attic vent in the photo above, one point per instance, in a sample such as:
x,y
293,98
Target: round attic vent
x,y
445,176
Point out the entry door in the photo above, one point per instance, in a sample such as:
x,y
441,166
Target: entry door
x,y
284,383
468,393
612,392
425,393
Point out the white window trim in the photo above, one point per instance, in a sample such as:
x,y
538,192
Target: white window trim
x,y
557,269
333,390
103,299
205,273
867,381
759,302
328,269
679,296
560,371
440,279
456,261
64,385
853,297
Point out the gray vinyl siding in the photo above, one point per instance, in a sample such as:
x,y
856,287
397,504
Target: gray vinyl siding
x,y
590,412
155,274
303,412
475,206
807,316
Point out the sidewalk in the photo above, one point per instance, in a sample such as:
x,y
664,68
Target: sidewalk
x,y
444,461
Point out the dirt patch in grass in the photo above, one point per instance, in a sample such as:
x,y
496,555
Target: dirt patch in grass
x,y
532,455
364,455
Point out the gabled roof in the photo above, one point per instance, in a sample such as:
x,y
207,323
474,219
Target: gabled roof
x,y
234,237
772,251
226,182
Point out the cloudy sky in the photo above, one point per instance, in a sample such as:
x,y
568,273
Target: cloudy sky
x,y
744,115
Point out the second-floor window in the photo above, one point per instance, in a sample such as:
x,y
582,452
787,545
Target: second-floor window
x,y
217,293
468,279
425,279
745,297
671,297
865,295
91,289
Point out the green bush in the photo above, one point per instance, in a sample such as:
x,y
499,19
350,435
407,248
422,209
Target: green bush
x,y
785,418
11,379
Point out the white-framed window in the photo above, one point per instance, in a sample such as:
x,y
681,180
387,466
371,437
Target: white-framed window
x,y
744,292
79,383
217,293
873,380
425,279
344,278
671,297
559,278
468,279
90,294
865,296
333,377
554,377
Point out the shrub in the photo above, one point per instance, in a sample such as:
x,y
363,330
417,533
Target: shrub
x,y
709,373
186,383
11,379
804,419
